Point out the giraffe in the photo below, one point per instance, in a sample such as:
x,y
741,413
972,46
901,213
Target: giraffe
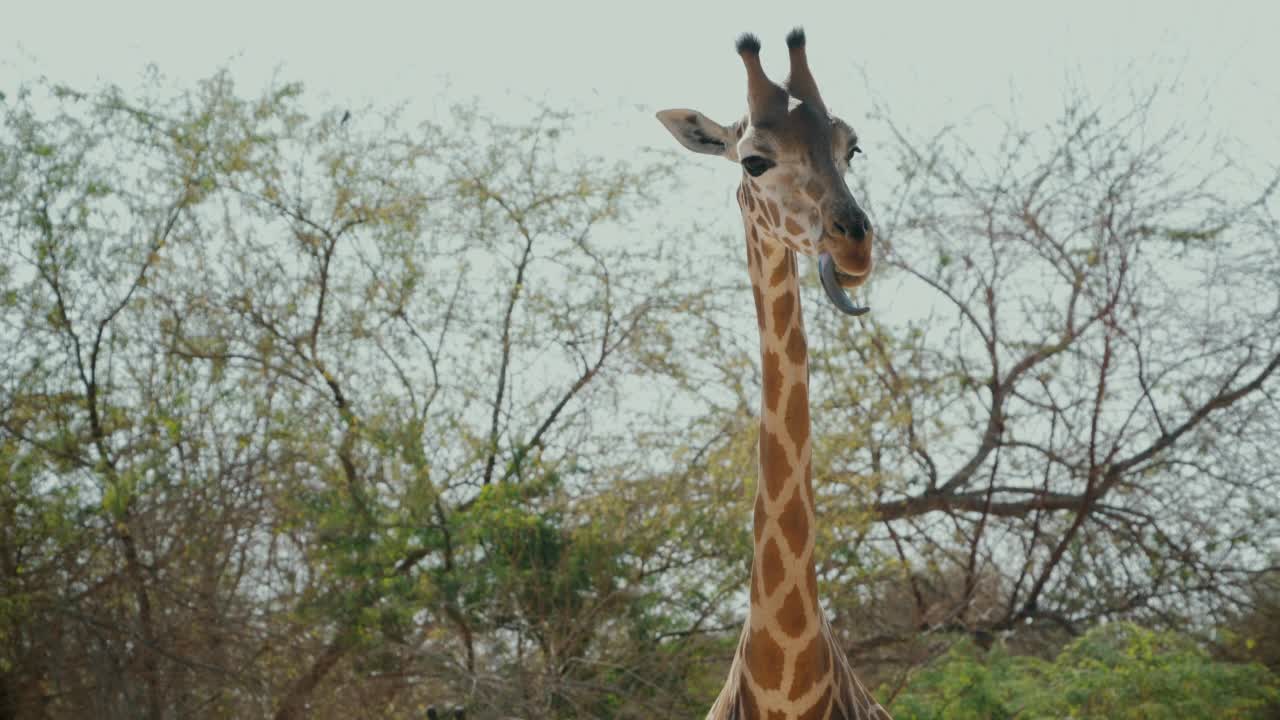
x,y
793,199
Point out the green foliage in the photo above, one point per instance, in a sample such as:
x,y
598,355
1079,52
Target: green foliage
x,y
267,421
1114,671
309,414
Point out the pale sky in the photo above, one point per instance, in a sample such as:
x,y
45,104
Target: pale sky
x,y
928,59
931,62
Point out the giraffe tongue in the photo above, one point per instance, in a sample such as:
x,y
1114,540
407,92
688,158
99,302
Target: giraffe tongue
x,y
827,272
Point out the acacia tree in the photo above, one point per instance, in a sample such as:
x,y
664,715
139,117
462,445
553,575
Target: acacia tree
x,y
1080,426
317,415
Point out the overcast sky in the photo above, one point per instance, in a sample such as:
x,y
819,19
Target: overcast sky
x,y
925,59
930,63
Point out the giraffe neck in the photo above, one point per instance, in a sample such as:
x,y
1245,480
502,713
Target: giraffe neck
x,y
784,650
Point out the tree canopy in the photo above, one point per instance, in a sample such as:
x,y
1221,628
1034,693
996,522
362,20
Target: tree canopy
x,y
324,413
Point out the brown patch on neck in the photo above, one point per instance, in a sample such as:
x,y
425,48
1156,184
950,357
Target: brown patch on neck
x,y
811,664
794,522
791,616
765,659
819,709
797,349
772,380
771,570
783,310
797,415
780,272
774,466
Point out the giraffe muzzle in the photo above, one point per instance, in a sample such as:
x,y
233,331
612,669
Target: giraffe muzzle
x,y
829,275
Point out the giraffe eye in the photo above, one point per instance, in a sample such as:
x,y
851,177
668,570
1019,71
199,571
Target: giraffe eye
x,y
852,151
756,165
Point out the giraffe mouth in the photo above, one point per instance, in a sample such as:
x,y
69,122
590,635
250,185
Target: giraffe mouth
x,y
831,276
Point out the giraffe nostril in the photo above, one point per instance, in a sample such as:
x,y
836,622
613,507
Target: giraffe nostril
x,y
855,228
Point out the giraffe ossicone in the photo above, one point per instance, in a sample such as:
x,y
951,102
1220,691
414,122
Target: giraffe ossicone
x,y
794,200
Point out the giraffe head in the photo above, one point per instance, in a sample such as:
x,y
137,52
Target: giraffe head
x,y
794,154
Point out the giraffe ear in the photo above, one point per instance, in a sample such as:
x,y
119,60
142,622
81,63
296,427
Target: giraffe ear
x,y
700,133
